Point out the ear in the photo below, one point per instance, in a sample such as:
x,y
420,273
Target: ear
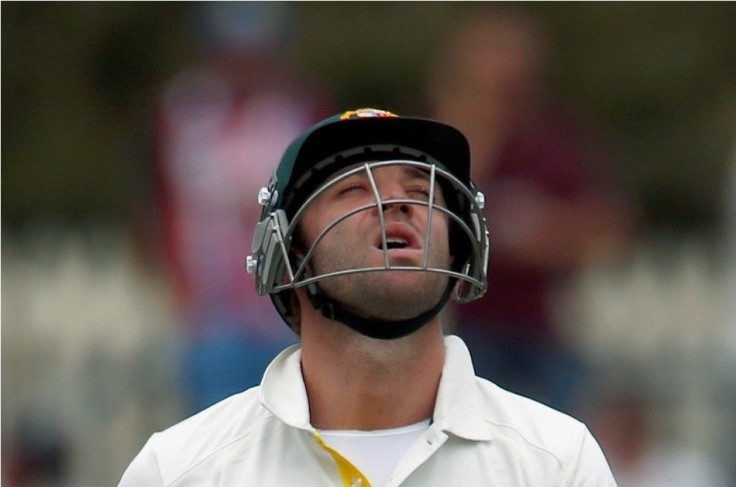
x,y
456,290
298,246
297,251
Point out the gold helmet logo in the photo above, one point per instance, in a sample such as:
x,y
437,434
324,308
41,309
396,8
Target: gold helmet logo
x,y
366,113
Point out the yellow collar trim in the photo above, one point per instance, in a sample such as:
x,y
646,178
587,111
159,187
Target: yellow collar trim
x,y
349,473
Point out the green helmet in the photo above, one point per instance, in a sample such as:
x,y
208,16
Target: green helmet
x,y
361,141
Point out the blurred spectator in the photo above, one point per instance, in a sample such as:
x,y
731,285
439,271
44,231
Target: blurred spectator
x,y
37,458
552,205
622,422
223,125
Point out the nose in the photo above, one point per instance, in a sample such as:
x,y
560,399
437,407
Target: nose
x,y
401,207
394,191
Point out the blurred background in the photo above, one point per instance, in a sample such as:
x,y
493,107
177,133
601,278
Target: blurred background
x,y
136,135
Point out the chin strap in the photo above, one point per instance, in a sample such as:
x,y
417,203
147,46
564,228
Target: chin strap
x,y
374,328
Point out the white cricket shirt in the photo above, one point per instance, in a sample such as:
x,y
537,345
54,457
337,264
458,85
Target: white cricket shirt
x,y
481,435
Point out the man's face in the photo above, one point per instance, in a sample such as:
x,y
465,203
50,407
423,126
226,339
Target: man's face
x,y
356,242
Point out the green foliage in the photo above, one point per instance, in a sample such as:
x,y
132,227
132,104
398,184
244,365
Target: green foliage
x,y
81,81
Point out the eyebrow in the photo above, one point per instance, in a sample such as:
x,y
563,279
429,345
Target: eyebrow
x,y
412,172
418,172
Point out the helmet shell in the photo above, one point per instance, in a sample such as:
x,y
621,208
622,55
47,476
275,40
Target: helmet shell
x,y
361,128
366,135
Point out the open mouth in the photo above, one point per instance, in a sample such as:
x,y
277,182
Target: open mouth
x,y
397,238
395,243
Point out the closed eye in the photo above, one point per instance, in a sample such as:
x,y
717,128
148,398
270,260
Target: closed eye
x,y
420,192
352,187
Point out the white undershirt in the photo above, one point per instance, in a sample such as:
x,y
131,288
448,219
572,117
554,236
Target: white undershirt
x,y
375,453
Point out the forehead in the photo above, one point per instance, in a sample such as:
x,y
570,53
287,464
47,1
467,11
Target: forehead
x,y
325,173
378,175
405,169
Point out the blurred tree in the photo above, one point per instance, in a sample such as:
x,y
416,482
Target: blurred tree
x,y
80,79
77,87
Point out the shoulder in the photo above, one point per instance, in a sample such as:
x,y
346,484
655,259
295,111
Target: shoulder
x,y
542,434
219,424
214,431
530,419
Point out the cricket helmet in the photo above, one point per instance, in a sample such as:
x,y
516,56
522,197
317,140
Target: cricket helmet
x,y
361,141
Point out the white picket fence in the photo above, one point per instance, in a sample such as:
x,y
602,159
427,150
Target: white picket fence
x,y
665,319
89,349
90,342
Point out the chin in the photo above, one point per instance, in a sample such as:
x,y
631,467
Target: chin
x,y
405,280
407,286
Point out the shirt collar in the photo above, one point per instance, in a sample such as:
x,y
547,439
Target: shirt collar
x,y
458,408
283,391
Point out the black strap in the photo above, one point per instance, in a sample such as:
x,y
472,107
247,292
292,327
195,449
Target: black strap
x,y
374,328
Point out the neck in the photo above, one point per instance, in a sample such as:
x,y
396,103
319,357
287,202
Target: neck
x,y
356,382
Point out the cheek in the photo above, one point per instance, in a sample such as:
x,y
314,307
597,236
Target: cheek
x,y
441,236
319,218
440,227
315,218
